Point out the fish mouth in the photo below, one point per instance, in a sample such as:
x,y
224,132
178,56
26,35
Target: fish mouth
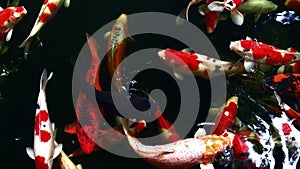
x,y
161,54
122,18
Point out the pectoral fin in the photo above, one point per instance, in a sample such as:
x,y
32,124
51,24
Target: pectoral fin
x,y
79,166
207,166
199,133
237,17
202,9
67,3
30,152
256,17
178,75
249,66
216,6
57,151
107,35
8,36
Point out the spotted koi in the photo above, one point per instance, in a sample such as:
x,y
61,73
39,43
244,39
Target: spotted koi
x,y
9,18
44,150
258,52
200,65
47,11
180,154
211,17
65,162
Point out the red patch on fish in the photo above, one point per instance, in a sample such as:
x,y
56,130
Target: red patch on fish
x,y
286,129
45,136
40,163
182,58
226,119
42,116
45,2
44,17
52,7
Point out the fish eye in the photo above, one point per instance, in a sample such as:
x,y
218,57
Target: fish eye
x,y
44,125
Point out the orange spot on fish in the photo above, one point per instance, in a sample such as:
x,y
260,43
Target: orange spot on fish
x,y
40,163
44,17
52,7
45,136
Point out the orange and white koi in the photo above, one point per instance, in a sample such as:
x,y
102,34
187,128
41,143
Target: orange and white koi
x,y
47,11
44,150
9,18
116,47
258,52
180,154
200,65
232,6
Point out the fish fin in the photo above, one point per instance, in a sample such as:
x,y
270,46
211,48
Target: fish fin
x,y
44,79
30,152
249,66
290,49
57,151
216,6
79,166
200,132
178,75
202,9
14,3
71,128
1,9
76,153
187,10
281,69
207,166
8,36
223,17
237,17
256,17
3,48
248,38
107,35
181,17
187,50
53,126
67,3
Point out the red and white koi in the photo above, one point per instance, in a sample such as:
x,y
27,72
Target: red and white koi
x,y
116,47
258,52
231,5
47,11
180,154
211,17
44,150
9,18
200,65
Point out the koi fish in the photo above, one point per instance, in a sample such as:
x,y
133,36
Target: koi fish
x,y
289,136
257,7
200,65
116,47
257,52
284,84
211,17
292,3
224,123
65,162
180,154
10,17
232,6
185,11
47,11
44,150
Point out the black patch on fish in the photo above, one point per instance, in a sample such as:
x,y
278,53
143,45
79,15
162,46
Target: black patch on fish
x,y
38,106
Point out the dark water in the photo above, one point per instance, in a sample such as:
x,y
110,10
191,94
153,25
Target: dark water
x,y
63,38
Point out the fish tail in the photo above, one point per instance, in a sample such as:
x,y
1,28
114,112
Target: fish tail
x,y
26,45
44,79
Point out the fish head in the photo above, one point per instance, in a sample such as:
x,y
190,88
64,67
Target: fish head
x,y
122,18
15,15
231,4
237,47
